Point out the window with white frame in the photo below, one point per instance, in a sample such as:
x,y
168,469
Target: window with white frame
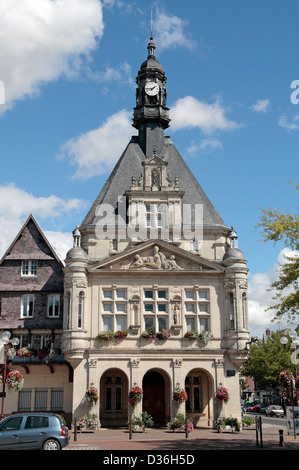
x,y
27,306
155,309
197,310
80,309
114,309
53,305
156,215
29,268
40,341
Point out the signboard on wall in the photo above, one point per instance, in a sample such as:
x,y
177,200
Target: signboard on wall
x,y
292,413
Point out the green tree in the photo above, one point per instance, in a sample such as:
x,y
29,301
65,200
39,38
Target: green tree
x,y
277,226
266,359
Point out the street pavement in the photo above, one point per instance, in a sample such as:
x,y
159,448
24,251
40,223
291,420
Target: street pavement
x,y
157,440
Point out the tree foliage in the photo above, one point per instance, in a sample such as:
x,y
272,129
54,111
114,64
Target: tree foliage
x,y
277,226
266,359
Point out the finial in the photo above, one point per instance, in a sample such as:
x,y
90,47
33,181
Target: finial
x,y
151,24
151,45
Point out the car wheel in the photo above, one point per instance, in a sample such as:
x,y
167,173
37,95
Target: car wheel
x,y
51,444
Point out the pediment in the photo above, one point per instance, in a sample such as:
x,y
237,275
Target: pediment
x,y
156,256
155,160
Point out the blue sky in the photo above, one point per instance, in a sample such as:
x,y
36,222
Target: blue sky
x,y
68,70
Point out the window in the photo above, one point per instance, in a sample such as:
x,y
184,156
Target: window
x,y
40,400
12,424
156,215
114,309
37,400
197,310
29,268
80,309
244,309
231,312
27,305
56,399
40,341
34,422
24,400
68,309
113,394
53,305
193,389
155,309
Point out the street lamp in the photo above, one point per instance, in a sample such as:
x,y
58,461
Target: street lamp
x,y
5,344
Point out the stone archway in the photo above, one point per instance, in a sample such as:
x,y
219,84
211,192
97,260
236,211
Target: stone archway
x,y
199,406
155,386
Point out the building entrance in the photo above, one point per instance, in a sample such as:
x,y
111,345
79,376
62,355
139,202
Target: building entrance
x,y
154,396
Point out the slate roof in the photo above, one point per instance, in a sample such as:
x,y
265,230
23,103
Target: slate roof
x,y
130,164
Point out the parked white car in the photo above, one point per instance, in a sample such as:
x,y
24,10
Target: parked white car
x,y
274,410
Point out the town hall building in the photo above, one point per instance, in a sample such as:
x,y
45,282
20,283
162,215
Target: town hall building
x,y
154,287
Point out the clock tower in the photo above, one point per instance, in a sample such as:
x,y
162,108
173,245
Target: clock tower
x,y
151,115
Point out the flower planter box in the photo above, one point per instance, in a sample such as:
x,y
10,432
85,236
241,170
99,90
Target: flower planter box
x,y
226,428
81,430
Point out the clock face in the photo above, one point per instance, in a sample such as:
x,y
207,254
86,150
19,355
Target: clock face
x,y
152,88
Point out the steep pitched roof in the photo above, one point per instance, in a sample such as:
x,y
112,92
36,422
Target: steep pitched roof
x,y
30,243
130,164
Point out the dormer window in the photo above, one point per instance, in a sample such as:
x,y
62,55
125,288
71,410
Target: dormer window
x,y
155,215
29,268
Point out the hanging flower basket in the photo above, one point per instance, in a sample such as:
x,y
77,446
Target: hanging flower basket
x,y
135,395
10,354
91,395
284,379
180,395
222,394
14,381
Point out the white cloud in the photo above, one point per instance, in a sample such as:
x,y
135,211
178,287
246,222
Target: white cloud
x,y
169,31
17,204
261,106
188,112
61,242
43,40
121,74
96,151
206,146
260,298
292,125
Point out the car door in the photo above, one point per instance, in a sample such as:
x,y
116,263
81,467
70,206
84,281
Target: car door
x,y
35,430
10,432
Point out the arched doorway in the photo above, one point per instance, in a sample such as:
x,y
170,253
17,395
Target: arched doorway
x,y
114,398
154,396
199,406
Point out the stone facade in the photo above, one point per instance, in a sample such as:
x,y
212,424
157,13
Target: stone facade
x,y
140,268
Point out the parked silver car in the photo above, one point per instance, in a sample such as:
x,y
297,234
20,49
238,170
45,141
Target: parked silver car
x,y
44,431
274,410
